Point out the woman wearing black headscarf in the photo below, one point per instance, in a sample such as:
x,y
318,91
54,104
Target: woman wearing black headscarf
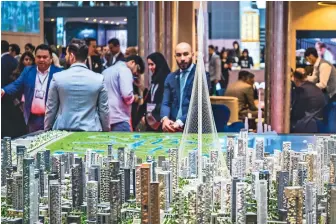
x,y
159,68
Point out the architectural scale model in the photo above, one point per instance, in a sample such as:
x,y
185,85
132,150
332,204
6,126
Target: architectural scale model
x,y
204,177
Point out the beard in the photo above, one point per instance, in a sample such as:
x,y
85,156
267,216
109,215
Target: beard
x,y
184,65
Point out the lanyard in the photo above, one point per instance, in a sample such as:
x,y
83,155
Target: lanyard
x,y
42,83
153,91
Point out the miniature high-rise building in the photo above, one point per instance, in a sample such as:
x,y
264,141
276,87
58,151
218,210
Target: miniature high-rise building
x,y
310,203
331,203
192,164
9,191
240,203
332,169
56,166
294,196
174,167
121,157
28,179
115,201
286,148
282,181
164,190
47,159
154,202
6,158
105,184
110,151
77,189
95,175
262,201
138,184
226,196
54,202
260,148
21,151
40,160
18,192
145,194
114,167
230,152
92,200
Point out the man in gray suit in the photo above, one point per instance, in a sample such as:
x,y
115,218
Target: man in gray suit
x,y
215,69
243,90
77,98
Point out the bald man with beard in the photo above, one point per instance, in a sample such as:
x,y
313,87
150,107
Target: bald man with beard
x,y
177,90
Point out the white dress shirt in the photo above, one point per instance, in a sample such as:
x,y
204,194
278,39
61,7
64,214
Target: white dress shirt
x,y
41,83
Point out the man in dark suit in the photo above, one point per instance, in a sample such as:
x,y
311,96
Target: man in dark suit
x,y
34,82
215,70
93,61
308,103
177,90
8,65
115,53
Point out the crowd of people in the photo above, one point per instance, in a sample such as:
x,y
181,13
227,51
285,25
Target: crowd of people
x,y
93,91
101,89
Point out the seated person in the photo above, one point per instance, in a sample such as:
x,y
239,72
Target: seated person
x,y
243,90
245,61
307,104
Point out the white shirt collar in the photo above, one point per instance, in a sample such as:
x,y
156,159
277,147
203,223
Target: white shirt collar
x,y
317,62
43,73
4,54
116,55
79,63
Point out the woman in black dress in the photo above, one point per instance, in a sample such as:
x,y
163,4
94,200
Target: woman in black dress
x,y
159,68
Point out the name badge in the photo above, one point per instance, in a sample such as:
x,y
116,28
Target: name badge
x,y
39,94
150,107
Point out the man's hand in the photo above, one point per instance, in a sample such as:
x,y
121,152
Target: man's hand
x,y
2,92
226,66
177,127
167,125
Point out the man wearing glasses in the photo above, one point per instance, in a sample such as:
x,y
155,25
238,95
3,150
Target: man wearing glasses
x,y
118,80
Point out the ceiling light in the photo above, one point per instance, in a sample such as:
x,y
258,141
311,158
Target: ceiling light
x,y
86,19
125,20
52,20
94,20
101,21
112,22
327,3
106,21
117,24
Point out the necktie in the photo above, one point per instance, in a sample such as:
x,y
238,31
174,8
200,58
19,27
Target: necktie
x,y
183,77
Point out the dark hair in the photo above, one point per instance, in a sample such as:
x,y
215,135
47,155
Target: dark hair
x,y
245,50
4,46
161,68
79,48
243,75
21,66
88,40
114,42
138,60
235,42
212,47
44,47
311,51
30,46
15,47
322,45
299,75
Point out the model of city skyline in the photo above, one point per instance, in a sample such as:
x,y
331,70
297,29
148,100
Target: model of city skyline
x,y
119,187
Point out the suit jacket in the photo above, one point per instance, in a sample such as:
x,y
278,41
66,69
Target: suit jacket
x,y
26,84
307,107
171,95
120,57
96,64
9,113
215,69
245,94
77,101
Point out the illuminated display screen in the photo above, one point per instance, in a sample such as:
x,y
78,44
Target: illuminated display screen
x,y
20,16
